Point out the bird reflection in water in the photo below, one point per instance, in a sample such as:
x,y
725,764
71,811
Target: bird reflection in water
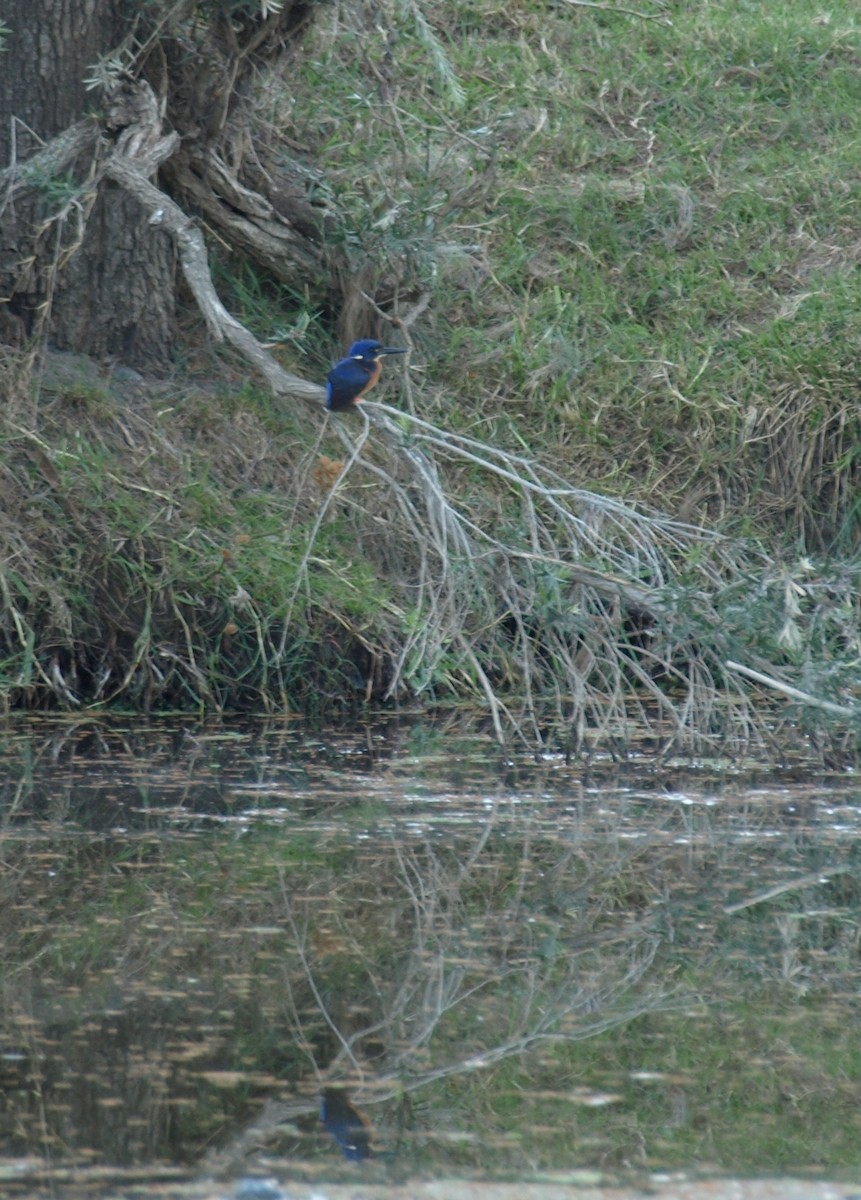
x,y
347,1126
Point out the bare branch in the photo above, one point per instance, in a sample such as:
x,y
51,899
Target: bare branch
x,y
794,693
195,266
791,885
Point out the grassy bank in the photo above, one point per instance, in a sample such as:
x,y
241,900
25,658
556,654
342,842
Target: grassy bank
x,y
640,234
623,244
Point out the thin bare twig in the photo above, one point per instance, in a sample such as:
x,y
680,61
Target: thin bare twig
x,y
794,693
790,886
614,8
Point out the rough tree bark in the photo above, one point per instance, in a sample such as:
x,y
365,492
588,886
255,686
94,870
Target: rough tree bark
x,y
79,257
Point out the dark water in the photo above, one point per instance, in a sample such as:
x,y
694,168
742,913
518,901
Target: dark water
x,y
503,965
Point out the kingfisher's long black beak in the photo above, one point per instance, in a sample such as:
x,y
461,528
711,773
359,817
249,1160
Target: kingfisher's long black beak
x,y
392,350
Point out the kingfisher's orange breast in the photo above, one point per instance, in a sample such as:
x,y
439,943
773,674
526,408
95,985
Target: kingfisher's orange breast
x,y
373,375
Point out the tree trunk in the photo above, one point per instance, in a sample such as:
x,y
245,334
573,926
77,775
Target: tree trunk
x,y
102,278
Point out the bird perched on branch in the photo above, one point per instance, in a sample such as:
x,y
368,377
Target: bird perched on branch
x,y
354,376
347,1126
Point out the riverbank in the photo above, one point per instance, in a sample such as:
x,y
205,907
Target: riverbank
x,y
610,493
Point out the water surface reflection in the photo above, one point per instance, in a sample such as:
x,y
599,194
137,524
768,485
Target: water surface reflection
x,y
512,965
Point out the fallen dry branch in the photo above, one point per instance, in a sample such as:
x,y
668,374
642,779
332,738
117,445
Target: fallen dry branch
x,y
546,592
551,602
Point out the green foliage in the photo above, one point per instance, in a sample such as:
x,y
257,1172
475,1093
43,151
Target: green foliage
x,y
56,191
272,311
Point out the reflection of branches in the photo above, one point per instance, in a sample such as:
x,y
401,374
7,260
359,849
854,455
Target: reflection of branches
x,y
299,940
530,1038
434,984
433,979
449,968
435,962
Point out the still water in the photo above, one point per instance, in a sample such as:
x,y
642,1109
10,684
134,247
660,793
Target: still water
x,y
488,964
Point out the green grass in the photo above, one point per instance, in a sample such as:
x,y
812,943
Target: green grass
x,y
661,237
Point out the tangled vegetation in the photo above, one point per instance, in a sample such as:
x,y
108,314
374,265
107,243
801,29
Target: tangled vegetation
x,y
619,242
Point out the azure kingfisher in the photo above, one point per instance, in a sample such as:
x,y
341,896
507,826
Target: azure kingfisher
x,y
354,376
347,1126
